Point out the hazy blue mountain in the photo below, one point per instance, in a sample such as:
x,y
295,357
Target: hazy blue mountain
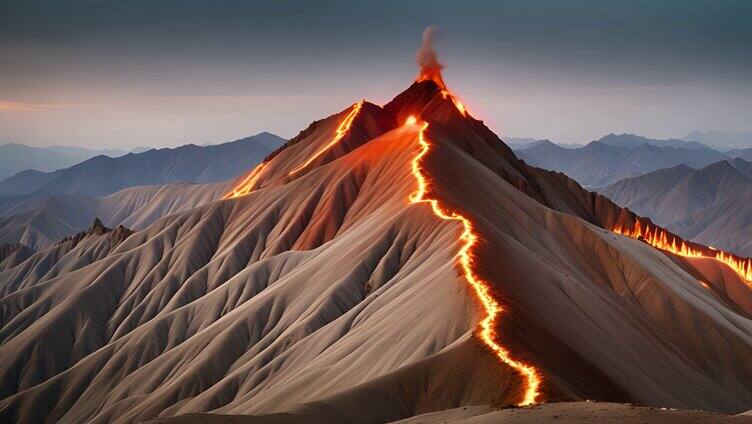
x,y
613,158
722,140
16,157
519,143
102,175
86,153
745,154
633,140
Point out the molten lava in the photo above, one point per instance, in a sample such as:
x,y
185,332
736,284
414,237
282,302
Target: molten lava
x,y
248,184
482,290
663,240
342,129
458,104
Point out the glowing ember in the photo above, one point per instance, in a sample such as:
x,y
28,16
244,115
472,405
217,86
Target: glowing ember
x,y
468,238
342,129
663,240
248,184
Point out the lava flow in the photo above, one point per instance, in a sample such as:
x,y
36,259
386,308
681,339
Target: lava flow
x,y
435,76
663,240
248,184
342,129
492,308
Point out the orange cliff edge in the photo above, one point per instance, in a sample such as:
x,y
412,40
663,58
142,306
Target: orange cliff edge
x,y
492,308
663,240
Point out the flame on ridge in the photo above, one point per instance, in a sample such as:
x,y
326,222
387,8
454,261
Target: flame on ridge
x,y
663,240
342,129
468,238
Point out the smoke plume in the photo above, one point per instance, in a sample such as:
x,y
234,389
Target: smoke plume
x,y
430,68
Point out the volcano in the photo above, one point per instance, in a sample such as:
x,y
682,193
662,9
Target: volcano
x,y
387,262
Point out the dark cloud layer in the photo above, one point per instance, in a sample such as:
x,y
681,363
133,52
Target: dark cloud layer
x,y
90,51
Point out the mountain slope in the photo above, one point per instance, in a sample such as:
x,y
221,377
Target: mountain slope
x,y
328,290
38,222
103,175
709,205
613,158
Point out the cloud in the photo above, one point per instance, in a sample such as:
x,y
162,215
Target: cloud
x,y
8,106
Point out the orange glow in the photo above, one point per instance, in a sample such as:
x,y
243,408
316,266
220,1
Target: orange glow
x,y
248,184
742,266
458,104
342,129
663,240
482,290
432,74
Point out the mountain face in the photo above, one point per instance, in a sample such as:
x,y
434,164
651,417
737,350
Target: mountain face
x,y
613,158
16,157
364,277
38,222
103,175
708,205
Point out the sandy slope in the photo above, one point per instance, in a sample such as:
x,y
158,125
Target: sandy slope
x,y
563,413
40,222
327,292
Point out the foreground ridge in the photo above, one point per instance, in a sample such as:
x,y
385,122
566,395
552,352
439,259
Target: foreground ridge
x,y
469,238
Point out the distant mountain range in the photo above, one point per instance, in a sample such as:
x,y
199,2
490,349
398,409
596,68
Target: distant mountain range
x,y
38,222
745,154
615,157
722,140
16,157
517,143
712,205
103,175
37,209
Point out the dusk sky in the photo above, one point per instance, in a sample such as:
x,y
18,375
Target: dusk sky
x,y
121,74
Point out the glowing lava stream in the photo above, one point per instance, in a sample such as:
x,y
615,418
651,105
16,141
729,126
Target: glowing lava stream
x,y
249,183
482,290
659,238
342,129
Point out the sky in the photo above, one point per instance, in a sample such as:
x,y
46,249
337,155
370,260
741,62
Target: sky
x,y
122,74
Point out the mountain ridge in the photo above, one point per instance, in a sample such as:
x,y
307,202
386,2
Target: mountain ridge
x,y
235,307
102,175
